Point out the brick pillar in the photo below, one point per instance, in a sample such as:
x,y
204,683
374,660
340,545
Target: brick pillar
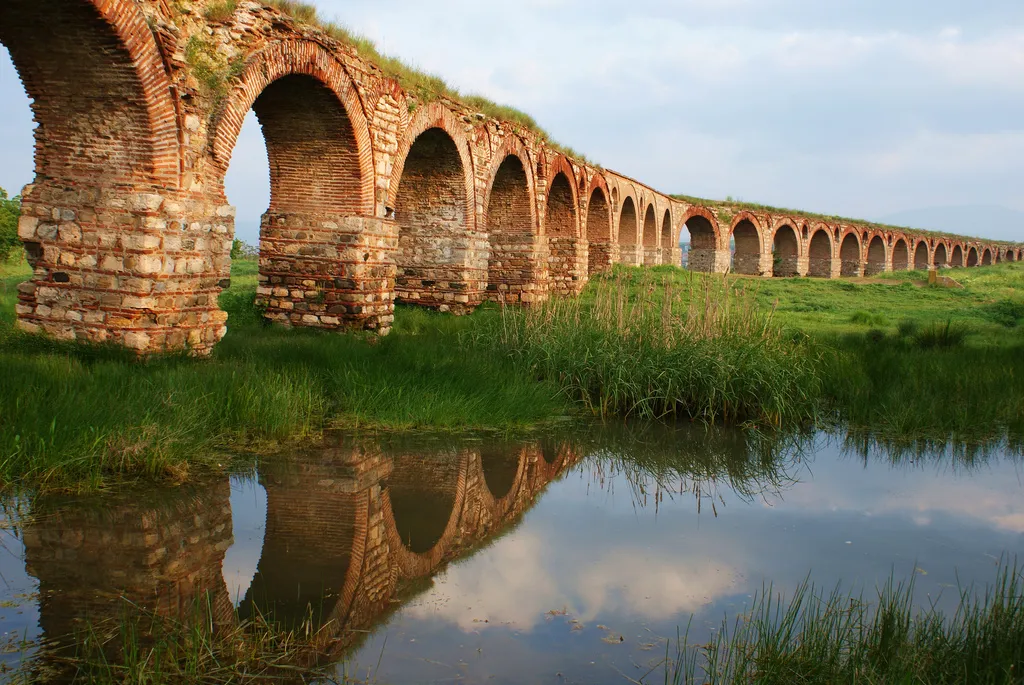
x,y
140,269
328,271
709,260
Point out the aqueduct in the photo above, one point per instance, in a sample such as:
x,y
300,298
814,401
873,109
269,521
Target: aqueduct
x,y
376,194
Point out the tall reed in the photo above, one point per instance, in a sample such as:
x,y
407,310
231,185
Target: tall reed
x,y
818,637
701,350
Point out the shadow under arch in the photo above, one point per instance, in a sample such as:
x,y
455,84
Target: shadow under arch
x,y
599,230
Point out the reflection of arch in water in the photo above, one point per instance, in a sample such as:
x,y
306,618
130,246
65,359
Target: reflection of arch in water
x,y
313,548
420,524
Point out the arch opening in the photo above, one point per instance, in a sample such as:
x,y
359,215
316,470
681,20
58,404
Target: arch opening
x,y
500,466
972,257
667,250
820,262
957,260
599,232
510,229
1010,257
431,212
746,253
876,262
562,228
785,252
423,489
940,257
986,258
900,256
850,256
702,248
308,541
315,187
652,253
628,228
921,256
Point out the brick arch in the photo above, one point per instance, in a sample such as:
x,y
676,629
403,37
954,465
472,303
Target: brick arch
x,y
295,59
851,251
986,256
705,238
92,66
900,252
433,193
668,249
957,256
973,256
412,564
878,251
513,230
921,261
940,254
748,235
627,226
598,222
786,248
1011,256
820,251
650,236
566,259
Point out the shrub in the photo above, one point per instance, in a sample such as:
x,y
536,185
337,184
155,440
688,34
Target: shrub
x,y
10,210
864,318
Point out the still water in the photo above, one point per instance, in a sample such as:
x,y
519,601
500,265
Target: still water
x,y
558,560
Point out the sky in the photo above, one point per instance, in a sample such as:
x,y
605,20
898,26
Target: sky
x,y
863,108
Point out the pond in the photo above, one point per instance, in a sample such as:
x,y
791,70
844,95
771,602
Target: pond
x,y
561,559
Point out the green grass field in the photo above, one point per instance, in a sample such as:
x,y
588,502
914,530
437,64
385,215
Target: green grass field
x,y
890,357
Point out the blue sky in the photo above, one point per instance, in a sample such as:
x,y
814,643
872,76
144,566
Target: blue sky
x,y
857,107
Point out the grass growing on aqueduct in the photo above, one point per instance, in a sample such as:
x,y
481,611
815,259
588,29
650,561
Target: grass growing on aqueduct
x,y
888,355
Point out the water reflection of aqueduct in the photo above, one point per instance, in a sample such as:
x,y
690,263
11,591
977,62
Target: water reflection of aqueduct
x,y
350,532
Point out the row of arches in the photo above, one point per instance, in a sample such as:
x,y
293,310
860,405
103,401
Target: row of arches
x,y
790,248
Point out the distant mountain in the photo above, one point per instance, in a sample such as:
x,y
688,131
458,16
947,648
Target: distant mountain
x,y
983,221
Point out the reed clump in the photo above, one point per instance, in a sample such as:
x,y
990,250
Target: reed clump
x,y
702,351
819,637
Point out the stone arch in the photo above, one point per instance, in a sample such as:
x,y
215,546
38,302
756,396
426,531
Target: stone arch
x,y
878,256
1011,256
562,227
972,256
986,257
512,227
433,195
652,254
940,256
704,240
422,505
667,248
280,67
748,257
785,251
921,262
850,251
600,254
900,255
956,260
629,227
819,253
100,92
321,187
